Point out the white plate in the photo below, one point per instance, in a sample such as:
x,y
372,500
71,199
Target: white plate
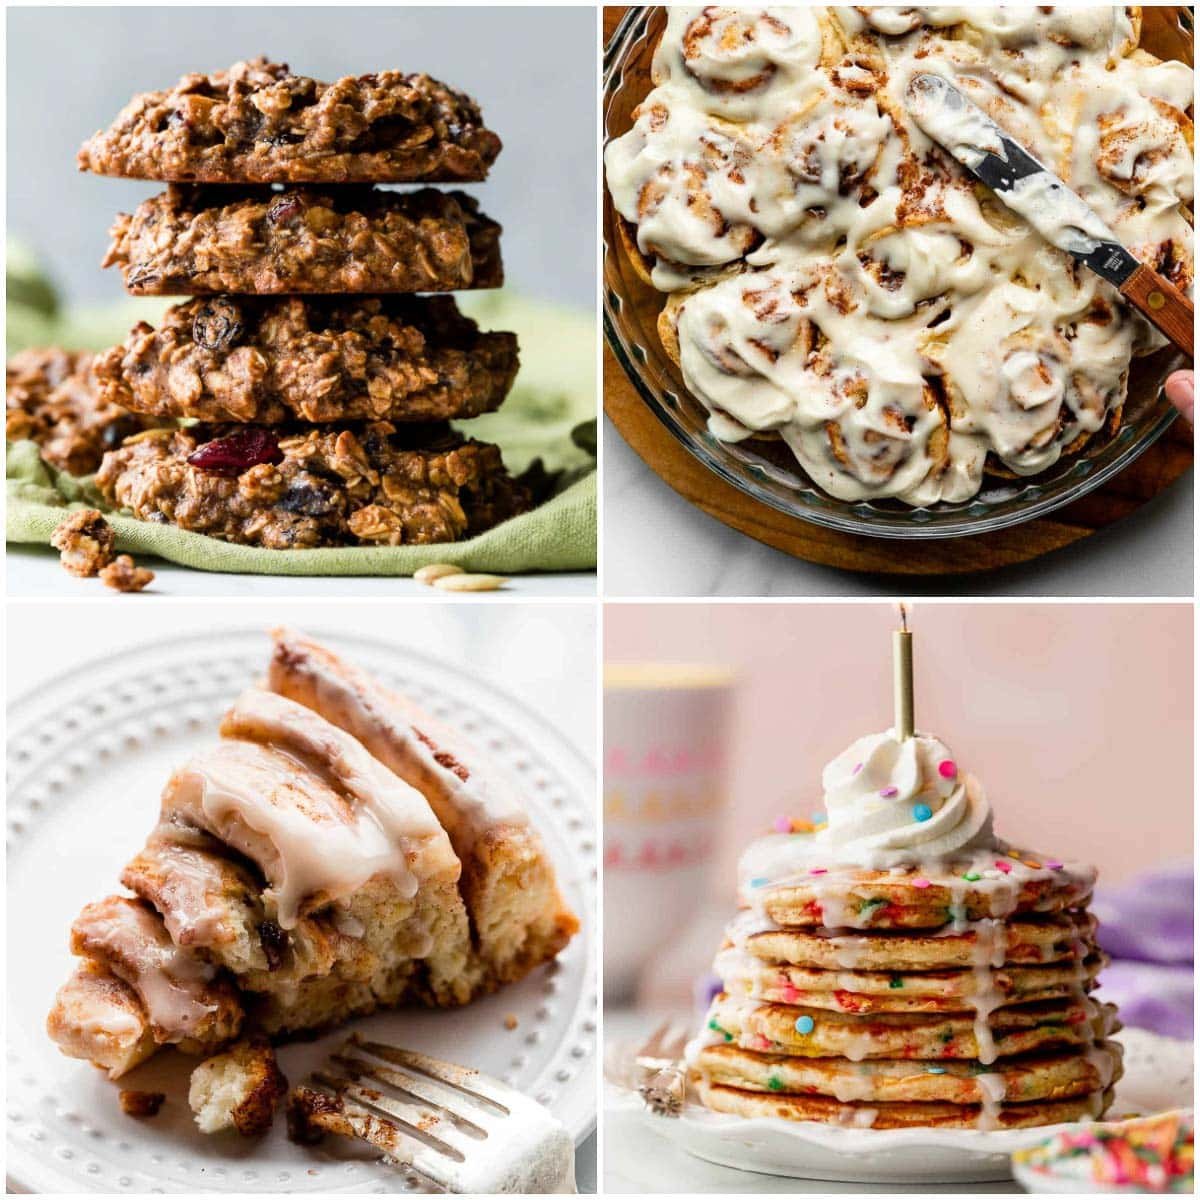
x,y
1158,1076
88,754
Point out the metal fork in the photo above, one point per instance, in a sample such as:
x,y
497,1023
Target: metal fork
x,y
662,1082
460,1129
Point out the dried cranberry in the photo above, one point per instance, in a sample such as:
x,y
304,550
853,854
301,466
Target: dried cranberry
x,y
230,456
217,324
284,208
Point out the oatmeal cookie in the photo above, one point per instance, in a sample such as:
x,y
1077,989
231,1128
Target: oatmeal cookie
x,y
124,575
51,398
266,360
85,542
298,487
259,123
196,239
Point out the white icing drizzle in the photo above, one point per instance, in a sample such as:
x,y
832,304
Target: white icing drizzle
x,y
391,729
192,905
309,805
838,280
170,980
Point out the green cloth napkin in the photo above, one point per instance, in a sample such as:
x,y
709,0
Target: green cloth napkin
x,y
555,393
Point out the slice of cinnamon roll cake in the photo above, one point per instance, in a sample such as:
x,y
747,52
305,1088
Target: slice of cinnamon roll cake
x,y
336,851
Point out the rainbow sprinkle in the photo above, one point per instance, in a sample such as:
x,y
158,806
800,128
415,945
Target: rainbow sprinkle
x,y
921,883
922,812
805,1024
1001,865
888,792
1148,1154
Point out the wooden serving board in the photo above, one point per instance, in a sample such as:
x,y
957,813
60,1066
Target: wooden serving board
x,y
1162,464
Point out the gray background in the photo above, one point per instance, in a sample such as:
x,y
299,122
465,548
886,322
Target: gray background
x,y
533,71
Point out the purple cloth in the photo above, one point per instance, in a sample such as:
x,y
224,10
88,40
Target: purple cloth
x,y
1147,928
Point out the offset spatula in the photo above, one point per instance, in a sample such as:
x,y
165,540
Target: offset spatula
x,y
1061,216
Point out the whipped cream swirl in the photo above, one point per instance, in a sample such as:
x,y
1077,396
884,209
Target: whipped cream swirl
x,y
893,802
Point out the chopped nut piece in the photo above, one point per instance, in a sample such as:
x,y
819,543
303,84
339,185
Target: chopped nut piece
x,y
85,542
510,1021
141,1104
125,576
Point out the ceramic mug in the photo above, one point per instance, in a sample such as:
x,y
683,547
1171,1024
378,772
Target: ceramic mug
x,y
665,756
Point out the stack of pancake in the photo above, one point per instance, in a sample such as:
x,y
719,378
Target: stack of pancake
x,y
952,989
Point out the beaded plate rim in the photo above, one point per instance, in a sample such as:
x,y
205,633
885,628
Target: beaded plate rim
x,y
155,692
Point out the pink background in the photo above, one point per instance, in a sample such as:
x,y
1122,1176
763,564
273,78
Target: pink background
x,y
1077,718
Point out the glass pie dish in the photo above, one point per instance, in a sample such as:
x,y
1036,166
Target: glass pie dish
x,y
764,468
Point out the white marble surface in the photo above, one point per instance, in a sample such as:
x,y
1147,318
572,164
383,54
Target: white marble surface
x,y
34,571
657,544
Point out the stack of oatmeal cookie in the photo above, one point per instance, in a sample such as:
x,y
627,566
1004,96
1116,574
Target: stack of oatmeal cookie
x,y
318,386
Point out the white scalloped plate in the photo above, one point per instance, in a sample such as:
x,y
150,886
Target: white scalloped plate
x,y
88,753
1158,1076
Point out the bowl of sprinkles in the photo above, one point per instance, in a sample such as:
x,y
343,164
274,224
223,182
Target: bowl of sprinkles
x,y
1146,1154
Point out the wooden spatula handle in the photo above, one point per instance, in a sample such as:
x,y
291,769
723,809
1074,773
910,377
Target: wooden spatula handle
x,y
1164,305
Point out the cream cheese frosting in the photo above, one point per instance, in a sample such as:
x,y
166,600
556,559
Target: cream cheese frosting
x,y
837,280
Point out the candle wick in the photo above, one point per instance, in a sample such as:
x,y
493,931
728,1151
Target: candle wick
x,y
903,618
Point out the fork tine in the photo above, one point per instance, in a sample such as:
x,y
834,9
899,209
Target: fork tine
x,y
424,1124
463,1078
356,1120
418,1116
419,1088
